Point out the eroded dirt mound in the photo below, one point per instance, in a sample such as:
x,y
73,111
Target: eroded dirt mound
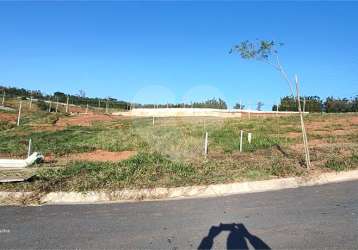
x,y
83,119
101,155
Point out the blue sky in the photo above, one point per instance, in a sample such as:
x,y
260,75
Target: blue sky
x,y
173,51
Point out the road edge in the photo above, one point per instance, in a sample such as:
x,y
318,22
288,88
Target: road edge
x,y
215,190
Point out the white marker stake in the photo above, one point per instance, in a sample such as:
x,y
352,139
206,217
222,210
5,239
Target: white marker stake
x,y
49,106
19,115
206,145
67,104
57,106
304,104
3,98
276,109
30,103
241,134
29,148
153,121
249,136
87,109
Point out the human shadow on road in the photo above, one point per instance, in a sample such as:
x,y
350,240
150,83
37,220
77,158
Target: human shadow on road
x,y
237,238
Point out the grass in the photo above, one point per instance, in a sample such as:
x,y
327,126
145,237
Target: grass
x,y
171,153
340,163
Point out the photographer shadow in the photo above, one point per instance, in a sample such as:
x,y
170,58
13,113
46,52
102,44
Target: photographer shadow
x,y
238,237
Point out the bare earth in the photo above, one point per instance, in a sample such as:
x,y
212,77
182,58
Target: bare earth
x,y
84,119
101,155
7,117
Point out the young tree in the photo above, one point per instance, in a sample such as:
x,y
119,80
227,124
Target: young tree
x,y
267,51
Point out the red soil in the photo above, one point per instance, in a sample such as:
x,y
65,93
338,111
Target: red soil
x,y
84,119
7,117
101,155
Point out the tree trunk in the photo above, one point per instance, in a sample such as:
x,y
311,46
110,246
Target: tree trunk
x,y
304,134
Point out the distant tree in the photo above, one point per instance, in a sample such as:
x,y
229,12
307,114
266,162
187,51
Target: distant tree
x,y
82,93
259,105
289,103
338,105
239,106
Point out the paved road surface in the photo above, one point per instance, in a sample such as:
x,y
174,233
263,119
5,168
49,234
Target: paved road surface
x,y
314,217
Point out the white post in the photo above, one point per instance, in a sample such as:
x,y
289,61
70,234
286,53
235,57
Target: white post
x,y
57,105
153,121
49,106
67,104
29,148
99,103
276,109
304,104
241,135
30,103
249,137
3,98
19,115
206,144
87,109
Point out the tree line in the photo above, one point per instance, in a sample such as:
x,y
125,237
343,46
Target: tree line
x,y
316,104
211,103
81,99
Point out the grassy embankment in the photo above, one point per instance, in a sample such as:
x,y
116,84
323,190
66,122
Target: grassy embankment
x,y
171,153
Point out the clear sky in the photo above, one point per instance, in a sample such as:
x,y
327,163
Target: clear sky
x,y
173,51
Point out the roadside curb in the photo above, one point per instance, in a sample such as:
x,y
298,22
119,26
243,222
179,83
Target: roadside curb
x,y
216,190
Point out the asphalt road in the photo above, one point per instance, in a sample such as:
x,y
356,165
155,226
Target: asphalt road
x,y
304,218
